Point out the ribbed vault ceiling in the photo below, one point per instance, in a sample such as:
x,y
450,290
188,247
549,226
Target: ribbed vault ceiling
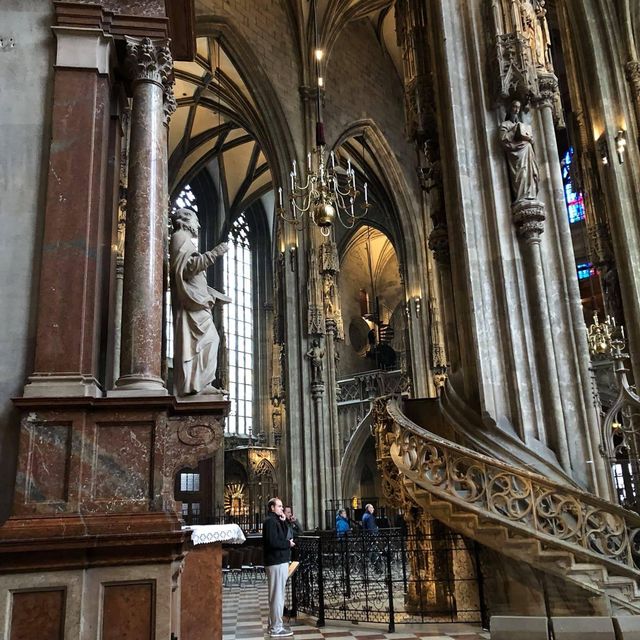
x,y
215,127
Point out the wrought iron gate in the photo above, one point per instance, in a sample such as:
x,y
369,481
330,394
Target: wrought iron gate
x,y
389,577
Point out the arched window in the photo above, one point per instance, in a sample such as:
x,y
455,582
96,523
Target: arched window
x,y
238,323
574,200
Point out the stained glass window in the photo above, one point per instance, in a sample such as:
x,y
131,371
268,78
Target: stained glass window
x,y
574,199
238,323
585,270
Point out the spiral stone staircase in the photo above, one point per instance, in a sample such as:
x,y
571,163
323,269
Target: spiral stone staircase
x,y
554,527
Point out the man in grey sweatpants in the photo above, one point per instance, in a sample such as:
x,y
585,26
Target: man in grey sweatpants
x,y
277,540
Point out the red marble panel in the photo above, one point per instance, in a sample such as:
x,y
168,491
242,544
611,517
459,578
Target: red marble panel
x,y
38,614
68,317
47,474
201,594
122,463
129,611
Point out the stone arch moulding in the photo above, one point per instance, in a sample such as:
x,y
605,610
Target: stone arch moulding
x,y
352,452
404,216
277,140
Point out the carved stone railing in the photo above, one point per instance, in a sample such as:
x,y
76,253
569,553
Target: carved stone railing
x,y
527,503
364,387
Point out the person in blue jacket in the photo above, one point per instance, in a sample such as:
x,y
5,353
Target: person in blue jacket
x,y
342,523
370,529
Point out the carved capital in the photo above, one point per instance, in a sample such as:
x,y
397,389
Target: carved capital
x,y
169,104
148,60
632,72
548,90
529,217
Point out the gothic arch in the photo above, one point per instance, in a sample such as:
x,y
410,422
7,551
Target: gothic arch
x,y
406,231
350,479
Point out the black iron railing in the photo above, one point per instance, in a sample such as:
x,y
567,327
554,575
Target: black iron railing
x,y
388,578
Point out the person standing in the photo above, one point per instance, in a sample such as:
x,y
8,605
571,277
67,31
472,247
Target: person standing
x,y
369,523
277,541
293,522
370,531
342,523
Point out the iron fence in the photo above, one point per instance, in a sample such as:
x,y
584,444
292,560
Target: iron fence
x,y
389,578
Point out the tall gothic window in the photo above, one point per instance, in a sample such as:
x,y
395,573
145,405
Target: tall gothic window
x,y
238,323
574,199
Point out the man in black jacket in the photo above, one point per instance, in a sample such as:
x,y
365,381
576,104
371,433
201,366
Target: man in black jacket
x,y
277,540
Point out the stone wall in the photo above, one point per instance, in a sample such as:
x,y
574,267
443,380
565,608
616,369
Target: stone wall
x,y
25,76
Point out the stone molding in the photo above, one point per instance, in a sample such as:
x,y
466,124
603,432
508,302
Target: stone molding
x,y
148,60
84,48
94,16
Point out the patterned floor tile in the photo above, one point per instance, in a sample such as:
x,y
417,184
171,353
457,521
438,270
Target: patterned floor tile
x,y
245,613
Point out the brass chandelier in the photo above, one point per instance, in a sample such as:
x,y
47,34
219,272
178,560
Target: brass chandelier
x,y
326,192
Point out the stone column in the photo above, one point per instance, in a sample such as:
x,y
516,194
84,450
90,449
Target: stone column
x,y
149,65
528,217
548,85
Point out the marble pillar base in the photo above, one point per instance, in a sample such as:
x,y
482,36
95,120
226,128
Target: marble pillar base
x,y
137,393
109,455
94,546
133,384
85,577
62,386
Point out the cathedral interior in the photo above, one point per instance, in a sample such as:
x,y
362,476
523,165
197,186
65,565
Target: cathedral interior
x,y
428,295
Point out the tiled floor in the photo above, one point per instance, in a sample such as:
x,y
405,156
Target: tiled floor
x,y
245,612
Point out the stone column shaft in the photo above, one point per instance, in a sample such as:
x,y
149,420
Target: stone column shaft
x,y
140,363
600,475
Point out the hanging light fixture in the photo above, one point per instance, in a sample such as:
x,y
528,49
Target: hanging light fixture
x,y
321,193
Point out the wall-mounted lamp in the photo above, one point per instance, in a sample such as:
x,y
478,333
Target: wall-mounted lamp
x,y
603,150
293,254
621,144
417,301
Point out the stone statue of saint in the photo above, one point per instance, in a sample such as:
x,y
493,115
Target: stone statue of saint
x,y
517,141
195,359
315,355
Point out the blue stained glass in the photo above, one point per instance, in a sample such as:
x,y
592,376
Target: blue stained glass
x,y
573,199
585,270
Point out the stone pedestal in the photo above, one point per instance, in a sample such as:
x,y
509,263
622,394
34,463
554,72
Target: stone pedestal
x,y
94,547
201,593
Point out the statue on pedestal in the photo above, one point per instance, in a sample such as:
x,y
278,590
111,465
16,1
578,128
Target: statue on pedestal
x,y
315,356
195,359
517,141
